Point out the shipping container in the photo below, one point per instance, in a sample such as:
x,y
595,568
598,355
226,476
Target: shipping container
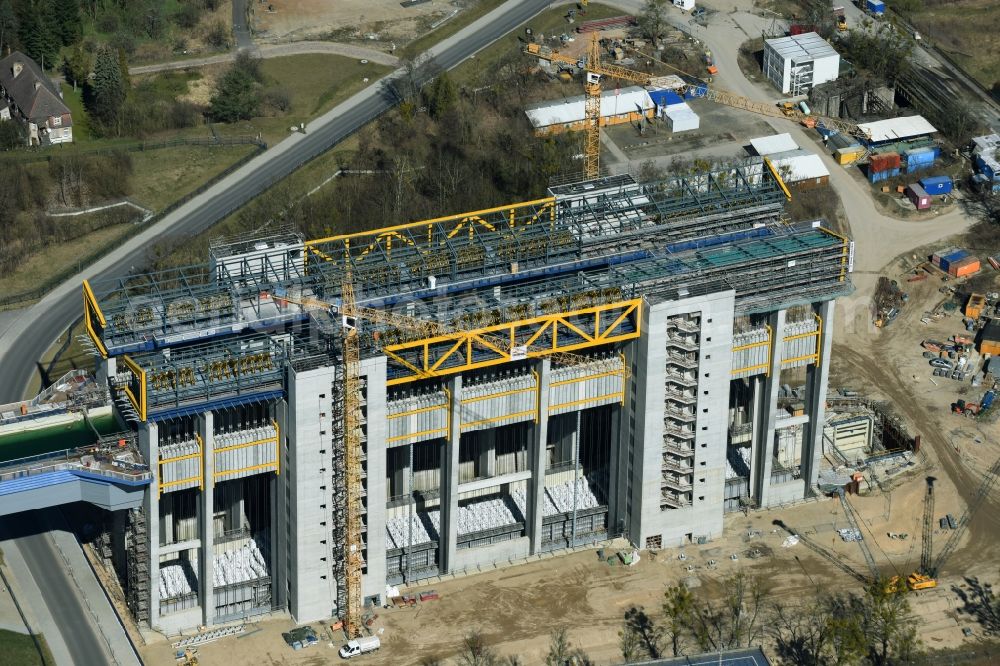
x,y
885,161
876,7
920,156
849,155
918,196
975,306
964,267
936,185
936,257
879,176
950,258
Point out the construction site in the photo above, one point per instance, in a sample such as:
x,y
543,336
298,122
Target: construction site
x,y
330,417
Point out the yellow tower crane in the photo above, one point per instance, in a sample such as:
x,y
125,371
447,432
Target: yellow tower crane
x,y
595,69
352,463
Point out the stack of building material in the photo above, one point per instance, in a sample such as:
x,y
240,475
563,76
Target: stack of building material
x,y
918,159
883,166
875,7
400,535
562,496
484,515
177,580
850,534
238,566
936,185
918,196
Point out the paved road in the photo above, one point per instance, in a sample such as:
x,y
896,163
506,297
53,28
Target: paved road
x,y
28,337
241,31
275,51
58,593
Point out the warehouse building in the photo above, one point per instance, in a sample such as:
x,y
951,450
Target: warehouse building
x,y
533,376
797,167
913,131
625,105
796,63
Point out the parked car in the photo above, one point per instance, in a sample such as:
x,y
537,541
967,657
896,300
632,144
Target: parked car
x,y
930,354
941,363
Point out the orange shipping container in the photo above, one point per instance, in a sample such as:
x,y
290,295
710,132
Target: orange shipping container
x,y
963,267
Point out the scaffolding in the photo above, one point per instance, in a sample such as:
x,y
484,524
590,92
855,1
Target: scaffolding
x,y
137,565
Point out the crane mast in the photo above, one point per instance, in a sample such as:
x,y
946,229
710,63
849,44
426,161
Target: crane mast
x,y
352,441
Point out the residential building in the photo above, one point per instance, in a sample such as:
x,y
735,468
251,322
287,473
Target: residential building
x,y
34,100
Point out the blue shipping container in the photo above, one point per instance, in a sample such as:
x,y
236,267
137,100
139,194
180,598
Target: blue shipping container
x,y
936,185
920,156
879,176
876,6
987,400
949,259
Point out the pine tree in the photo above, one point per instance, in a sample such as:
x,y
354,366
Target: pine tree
x,y
77,65
66,18
36,35
106,92
8,24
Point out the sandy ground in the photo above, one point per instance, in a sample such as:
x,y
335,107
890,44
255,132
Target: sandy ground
x,y
518,606
374,20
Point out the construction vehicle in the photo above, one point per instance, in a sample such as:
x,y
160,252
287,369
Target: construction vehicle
x,y
838,12
595,69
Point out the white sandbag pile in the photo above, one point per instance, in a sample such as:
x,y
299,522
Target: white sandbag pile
x,y
485,515
562,496
399,534
238,566
176,580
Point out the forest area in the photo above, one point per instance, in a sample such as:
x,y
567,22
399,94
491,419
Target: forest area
x,y
443,149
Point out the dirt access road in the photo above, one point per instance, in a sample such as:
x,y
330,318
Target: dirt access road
x,y
865,356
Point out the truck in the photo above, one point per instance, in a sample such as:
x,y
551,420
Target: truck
x,y
838,12
359,646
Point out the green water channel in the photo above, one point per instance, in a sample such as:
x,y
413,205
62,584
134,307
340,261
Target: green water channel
x,y
55,438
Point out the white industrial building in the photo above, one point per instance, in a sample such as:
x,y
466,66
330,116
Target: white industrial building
x,y
617,106
796,166
684,5
797,63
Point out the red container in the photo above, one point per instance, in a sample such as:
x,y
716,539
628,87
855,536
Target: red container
x,y
963,267
884,162
918,196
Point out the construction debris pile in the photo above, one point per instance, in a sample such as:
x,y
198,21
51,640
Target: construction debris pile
x,y
850,534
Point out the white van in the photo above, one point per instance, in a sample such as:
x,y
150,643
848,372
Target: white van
x,y
362,645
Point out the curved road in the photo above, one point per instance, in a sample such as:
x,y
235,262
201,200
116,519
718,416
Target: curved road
x,y
35,329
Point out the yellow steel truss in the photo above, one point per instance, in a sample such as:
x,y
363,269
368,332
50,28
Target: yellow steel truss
x,y
545,335
430,235
91,314
135,390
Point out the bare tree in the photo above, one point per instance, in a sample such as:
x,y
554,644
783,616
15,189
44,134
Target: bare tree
x,y
653,20
476,651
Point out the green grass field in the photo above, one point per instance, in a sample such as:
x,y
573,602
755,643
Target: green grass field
x,y
19,650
